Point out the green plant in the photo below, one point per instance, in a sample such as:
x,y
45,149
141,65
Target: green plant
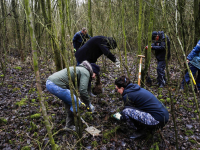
x,y
159,96
22,102
26,148
18,68
35,116
3,121
33,127
2,75
94,144
15,89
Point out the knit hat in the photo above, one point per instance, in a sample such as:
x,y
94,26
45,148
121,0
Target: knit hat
x,y
95,68
154,34
111,43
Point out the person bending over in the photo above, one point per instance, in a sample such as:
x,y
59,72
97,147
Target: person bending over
x,y
58,85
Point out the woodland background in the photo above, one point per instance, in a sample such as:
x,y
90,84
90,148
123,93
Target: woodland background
x,y
36,41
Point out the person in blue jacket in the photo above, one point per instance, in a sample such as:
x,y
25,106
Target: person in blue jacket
x,y
142,111
95,47
193,60
159,46
80,39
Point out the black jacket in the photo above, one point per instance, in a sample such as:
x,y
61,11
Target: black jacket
x,y
160,47
95,47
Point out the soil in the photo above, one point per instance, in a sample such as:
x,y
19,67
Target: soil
x,y
22,125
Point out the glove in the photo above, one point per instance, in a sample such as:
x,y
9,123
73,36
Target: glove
x,y
117,115
117,63
91,108
147,47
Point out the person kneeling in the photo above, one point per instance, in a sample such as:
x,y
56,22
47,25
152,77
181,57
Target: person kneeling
x,y
142,111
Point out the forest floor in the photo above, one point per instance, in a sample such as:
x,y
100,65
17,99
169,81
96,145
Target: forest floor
x,y
22,125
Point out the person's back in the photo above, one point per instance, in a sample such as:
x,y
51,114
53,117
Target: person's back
x,y
144,100
94,48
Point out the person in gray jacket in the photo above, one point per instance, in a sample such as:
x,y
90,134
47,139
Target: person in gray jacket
x,y
58,85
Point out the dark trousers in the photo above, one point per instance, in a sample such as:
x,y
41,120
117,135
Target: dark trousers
x,y
161,72
187,76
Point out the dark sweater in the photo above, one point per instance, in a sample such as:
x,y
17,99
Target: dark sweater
x,y
144,100
93,49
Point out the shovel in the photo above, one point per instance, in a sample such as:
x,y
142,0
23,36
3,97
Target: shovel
x,y
92,130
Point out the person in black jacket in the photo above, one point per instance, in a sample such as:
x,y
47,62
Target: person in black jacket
x,y
95,47
142,111
159,46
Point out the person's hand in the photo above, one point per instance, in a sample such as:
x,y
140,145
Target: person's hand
x,y
188,61
117,115
147,47
91,108
117,63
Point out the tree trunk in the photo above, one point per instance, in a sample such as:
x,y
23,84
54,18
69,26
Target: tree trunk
x,y
37,74
90,17
16,16
48,22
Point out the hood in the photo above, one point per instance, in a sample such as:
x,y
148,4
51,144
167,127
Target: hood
x,y
161,35
131,88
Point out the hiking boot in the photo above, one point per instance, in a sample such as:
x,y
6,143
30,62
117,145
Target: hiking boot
x,y
137,134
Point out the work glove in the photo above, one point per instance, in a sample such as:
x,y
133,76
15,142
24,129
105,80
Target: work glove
x,y
117,116
117,63
147,47
91,108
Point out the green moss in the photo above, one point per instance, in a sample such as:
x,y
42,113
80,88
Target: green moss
x,y
168,100
9,86
15,89
192,141
33,100
94,144
35,116
189,132
159,96
2,75
10,142
26,148
22,102
18,68
162,100
3,121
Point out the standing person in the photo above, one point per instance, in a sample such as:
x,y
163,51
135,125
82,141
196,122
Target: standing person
x,y
58,85
80,39
193,60
95,47
142,111
159,46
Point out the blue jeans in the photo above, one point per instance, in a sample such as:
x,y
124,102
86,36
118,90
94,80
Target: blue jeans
x,y
63,94
187,76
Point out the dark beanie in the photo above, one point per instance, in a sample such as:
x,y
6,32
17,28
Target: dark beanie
x,y
154,34
95,68
111,43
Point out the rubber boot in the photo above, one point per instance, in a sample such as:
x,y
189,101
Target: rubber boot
x,y
69,119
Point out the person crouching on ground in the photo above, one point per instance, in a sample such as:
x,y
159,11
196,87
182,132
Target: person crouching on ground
x,y
58,85
142,111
